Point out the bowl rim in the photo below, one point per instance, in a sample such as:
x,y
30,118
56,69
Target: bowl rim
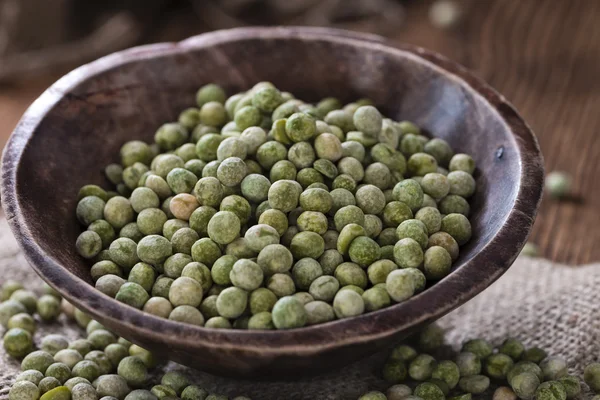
x,y
469,280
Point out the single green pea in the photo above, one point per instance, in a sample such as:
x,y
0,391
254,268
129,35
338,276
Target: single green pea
x,y
398,392
348,303
512,348
318,312
59,371
572,386
480,347
104,230
246,274
143,354
88,244
86,369
162,286
232,302
440,150
462,162
218,323
591,373
261,321
468,364
421,368
101,338
349,273
289,313
223,227
312,221
395,213
461,184
555,368
448,372
437,263
210,92
498,365
213,113
133,370
457,226
48,307
403,352
329,260
374,395
373,225
504,393
551,390
132,176
474,384
436,185
23,321
112,385
221,269
185,291
105,267
306,244
376,298
132,294
364,251
17,342
408,253
193,392
140,394
409,192
379,271
429,391
247,117
379,175
176,381
154,249
57,393
31,375
200,218
23,390
82,346
324,288
131,231
353,288
535,355
53,343
158,306
115,352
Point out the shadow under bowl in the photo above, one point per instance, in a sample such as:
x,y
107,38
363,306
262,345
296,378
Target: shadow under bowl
x,y
78,125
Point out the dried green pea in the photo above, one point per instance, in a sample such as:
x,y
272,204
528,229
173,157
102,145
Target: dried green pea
x,y
555,368
474,384
572,386
498,365
480,347
421,368
551,390
512,348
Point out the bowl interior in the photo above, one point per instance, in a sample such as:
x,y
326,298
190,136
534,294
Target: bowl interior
x,y
78,126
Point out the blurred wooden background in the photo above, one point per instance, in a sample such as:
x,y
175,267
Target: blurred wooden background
x,y
543,55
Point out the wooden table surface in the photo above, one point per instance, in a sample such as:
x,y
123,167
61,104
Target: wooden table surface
x,y
544,56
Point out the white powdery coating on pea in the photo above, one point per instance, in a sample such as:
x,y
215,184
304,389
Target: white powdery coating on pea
x,y
400,285
348,303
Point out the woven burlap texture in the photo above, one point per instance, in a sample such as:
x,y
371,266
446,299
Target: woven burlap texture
x,y
541,303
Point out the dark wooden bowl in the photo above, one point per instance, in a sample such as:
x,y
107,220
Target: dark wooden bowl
x,y
77,126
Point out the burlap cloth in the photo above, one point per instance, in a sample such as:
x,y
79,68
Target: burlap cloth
x,y
541,303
